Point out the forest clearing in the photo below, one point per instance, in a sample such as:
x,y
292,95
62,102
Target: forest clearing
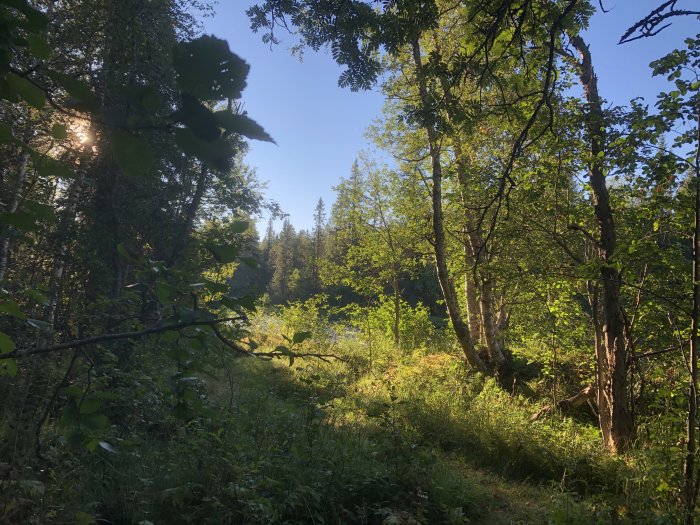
x,y
492,319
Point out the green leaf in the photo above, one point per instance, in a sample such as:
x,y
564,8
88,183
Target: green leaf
x,y
36,21
162,291
198,118
224,253
47,166
251,262
59,131
7,345
83,518
208,70
216,153
300,337
131,153
74,392
8,368
95,421
182,411
90,406
282,349
12,309
21,220
41,211
146,97
39,46
242,125
30,93
214,287
239,226
82,96
38,297
6,136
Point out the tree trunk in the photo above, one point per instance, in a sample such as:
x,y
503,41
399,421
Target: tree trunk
x,y
67,219
447,286
489,322
190,215
397,311
12,208
691,481
616,421
473,309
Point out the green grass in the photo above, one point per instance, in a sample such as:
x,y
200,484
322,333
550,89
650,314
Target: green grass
x,y
415,439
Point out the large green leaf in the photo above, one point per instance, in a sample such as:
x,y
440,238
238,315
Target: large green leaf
x,y
300,337
8,367
208,70
7,345
48,167
131,153
35,20
198,118
30,93
59,131
40,211
12,309
39,46
6,135
146,97
216,153
20,220
239,226
224,253
242,125
83,98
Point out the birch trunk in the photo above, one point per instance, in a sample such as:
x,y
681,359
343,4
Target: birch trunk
x,y
447,286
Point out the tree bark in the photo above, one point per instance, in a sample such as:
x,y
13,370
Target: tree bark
x,y
488,315
12,208
616,421
691,481
190,215
67,219
397,311
473,309
447,286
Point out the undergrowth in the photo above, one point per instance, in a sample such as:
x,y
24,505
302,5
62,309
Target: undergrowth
x,y
406,437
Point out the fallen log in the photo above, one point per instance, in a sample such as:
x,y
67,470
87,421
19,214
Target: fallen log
x,y
587,395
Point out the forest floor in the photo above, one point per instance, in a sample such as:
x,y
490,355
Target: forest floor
x,y
404,438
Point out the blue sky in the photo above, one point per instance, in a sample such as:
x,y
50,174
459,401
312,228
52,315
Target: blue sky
x,y
319,127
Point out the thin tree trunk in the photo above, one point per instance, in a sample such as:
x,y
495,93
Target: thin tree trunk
x,y
397,311
448,290
478,258
12,208
473,309
190,215
617,425
489,321
692,483
66,221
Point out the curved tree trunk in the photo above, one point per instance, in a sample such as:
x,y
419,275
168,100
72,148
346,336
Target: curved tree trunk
x,y
616,421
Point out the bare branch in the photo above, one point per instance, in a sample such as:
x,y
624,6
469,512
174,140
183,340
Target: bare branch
x,y
651,24
21,353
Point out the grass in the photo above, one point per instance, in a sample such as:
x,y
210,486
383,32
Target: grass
x,y
416,438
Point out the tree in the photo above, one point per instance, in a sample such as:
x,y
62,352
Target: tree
x,y
319,245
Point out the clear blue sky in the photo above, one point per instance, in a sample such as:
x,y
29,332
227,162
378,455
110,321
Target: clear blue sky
x,y
319,127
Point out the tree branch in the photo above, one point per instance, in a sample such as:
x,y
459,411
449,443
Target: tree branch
x,y
158,328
